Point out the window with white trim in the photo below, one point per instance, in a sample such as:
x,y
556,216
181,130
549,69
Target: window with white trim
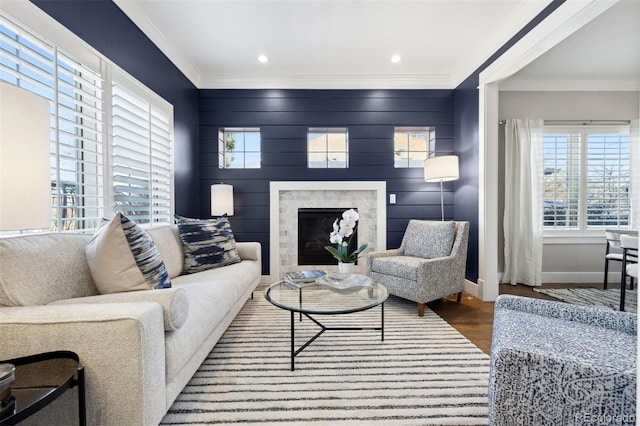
x,y
141,152
239,148
328,148
92,174
586,177
412,145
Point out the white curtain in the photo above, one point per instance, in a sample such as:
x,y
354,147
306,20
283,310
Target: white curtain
x,y
634,133
524,170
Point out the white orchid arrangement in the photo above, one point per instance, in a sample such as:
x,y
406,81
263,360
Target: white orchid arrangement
x,y
343,231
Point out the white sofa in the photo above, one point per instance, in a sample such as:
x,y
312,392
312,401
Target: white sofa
x,y
139,348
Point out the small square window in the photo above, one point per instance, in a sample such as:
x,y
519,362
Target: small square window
x,y
328,148
239,148
412,145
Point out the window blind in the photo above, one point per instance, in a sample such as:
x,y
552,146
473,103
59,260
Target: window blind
x,y
142,158
586,182
111,137
75,95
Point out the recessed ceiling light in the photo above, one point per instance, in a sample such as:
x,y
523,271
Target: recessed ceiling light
x,y
263,59
395,59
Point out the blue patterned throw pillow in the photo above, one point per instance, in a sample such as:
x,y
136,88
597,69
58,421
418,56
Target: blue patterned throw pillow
x,y
207,243
122,257
146,254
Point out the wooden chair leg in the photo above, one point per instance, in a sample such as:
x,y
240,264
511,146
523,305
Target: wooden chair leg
x,y
420,309
459,298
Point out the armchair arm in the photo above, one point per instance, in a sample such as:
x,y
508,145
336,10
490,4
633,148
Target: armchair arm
x,y
621,321
120,345
382,253
444,275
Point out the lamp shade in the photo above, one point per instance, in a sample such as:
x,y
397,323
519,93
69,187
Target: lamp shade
x,y
25,180
221,200
441,169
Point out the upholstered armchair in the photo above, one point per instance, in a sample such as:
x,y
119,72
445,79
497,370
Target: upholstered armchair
x,y
429,264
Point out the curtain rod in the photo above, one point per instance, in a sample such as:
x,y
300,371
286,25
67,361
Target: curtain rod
x,y
578,122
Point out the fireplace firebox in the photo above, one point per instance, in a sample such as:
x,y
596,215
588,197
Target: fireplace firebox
x,y
314,227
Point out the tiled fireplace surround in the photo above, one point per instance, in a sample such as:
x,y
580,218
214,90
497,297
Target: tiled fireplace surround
x,y
369,197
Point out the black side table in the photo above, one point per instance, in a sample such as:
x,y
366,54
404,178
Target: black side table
x,y
41,379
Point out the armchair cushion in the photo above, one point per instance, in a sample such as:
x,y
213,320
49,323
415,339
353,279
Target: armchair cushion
x,y
429,239
399,266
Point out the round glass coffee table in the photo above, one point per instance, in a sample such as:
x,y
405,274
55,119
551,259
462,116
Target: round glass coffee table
x,y
315,299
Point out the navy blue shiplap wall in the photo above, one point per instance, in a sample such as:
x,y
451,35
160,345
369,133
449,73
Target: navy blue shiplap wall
x,y
284,116
108,30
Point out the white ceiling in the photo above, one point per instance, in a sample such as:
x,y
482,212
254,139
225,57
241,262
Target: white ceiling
x,y
602,55
329,43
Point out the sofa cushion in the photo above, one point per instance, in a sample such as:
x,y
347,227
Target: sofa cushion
x,y
122,257
174,302
429,239
167,241
207,243
54,264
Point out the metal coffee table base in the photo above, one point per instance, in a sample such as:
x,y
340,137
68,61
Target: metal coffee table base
x,y
323,328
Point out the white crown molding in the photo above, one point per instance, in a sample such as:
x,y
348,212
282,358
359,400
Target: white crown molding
x,y
139,18
569,84
329,82
477,57
563,22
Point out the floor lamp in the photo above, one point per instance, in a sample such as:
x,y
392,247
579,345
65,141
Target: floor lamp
x,y
441,169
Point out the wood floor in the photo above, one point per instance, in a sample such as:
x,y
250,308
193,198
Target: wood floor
x,y
473,318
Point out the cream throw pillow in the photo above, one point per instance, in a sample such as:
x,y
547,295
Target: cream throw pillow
x,y
122,257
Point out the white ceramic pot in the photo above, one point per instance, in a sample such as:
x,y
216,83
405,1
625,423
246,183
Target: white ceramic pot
x,y
346,268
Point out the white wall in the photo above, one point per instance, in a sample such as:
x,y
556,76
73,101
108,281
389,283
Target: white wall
x,y
566,260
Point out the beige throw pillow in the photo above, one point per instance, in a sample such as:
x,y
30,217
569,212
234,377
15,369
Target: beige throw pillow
x,y
122,257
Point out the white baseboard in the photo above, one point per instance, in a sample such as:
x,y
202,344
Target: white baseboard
x,y
473,288
578,277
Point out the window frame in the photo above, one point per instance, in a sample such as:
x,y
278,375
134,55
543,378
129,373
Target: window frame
x,y
222,147
583,229
24,16
327,162
430,145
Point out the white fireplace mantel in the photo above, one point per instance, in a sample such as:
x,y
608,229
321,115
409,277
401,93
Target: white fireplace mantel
x,y
378,192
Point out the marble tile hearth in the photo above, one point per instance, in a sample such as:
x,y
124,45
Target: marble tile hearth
x,y
287,197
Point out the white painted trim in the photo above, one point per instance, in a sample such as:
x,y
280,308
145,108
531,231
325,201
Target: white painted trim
x,y
475,57
472,288
140,19
564,21
579,277
488,196
29,15
569,84
274,210
337,81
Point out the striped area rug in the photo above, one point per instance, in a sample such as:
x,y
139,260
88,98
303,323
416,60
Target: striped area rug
x,y
423,373
609,298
